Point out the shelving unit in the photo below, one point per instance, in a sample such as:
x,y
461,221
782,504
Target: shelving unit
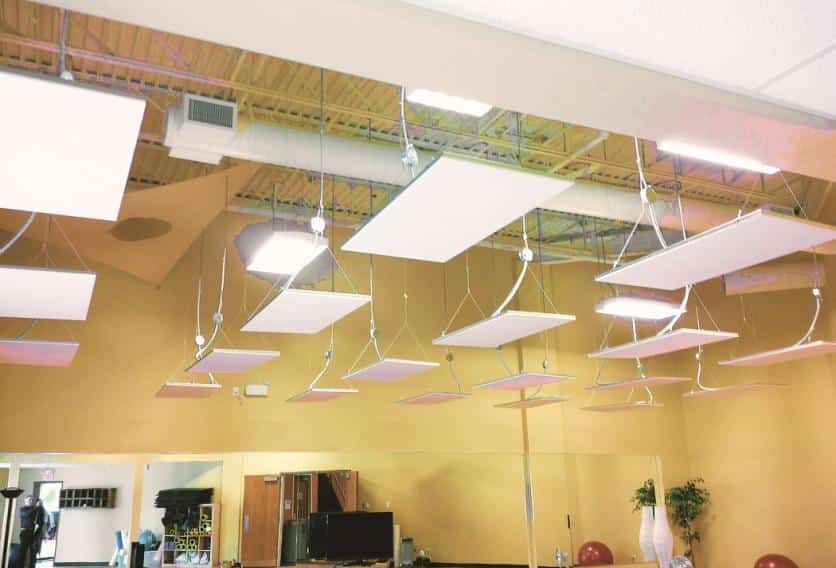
x,y
92,498
191,545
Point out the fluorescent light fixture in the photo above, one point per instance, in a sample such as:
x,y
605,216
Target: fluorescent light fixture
x,y
187,390
448,102
622,406
389,370
321,395
638,308
470,199
716,157
286,252
532,402
45,293
433,398
523,380
75,158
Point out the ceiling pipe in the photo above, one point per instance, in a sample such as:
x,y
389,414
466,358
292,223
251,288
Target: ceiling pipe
x,y
381,163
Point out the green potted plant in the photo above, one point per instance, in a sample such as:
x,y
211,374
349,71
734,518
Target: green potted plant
x,y
686,504
644,499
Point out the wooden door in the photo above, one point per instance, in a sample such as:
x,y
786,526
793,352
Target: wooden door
x,y
260,522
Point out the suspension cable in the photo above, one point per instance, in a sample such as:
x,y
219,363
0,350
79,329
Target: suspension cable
x,y
19,233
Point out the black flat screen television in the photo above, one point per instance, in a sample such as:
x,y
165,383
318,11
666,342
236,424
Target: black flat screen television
x,y
354,536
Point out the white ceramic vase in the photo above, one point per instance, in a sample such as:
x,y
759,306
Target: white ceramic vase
x,y
646,534
662,537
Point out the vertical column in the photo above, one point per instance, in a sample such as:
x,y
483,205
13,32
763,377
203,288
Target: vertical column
x,y
528,491
9,516
136,502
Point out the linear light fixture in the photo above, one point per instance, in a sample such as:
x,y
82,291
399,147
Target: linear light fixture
x,y
636,307
286,252
448,102
45,293
716,157
75,158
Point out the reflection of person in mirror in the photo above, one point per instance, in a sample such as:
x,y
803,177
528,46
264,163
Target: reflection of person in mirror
x,y
43,526
31,521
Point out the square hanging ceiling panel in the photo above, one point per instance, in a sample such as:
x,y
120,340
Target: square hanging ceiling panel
x,y
754,238
430,398
321,395
187,390
731,390
40,353
532,402
784,355
622,406
389,370
304,311
75,157
675,340
231,361
642,382
522,380
502,328
450,206
45,293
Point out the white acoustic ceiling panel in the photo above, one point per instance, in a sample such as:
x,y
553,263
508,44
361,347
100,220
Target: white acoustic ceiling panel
x,y
641,382
321,395
754,238
187,390
74,159
35,352
304,311
622,406
389,370
431,398
676,340
522,380
784,355
450,206
45,293
532,402
231,361
731,390
503,328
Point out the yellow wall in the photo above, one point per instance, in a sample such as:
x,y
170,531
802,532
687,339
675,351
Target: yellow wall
x,y
769,458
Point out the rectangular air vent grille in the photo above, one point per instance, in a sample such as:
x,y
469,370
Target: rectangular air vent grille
x,y
212,113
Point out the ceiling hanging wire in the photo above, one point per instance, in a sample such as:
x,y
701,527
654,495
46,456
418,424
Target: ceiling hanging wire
x,y
329,356
63,73
409,155
318,221
14,238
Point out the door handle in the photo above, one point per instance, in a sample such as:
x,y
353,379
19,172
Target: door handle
x,y
246,523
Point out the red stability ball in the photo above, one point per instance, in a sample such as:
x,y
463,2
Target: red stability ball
x,y
594,553
775,561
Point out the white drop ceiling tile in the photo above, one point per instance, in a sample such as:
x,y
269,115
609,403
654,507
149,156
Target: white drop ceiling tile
x,y
45,293
75,157
522,381
622,406
187,390
754,238
36,352
304,311
811,86
641,382
321,395
433,398
731,390
783,355
532,402
389,370
231,361
676,340
736,41
503,328
450,206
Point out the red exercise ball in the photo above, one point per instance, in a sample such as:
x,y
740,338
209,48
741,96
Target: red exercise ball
x,y
775,561
594,553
